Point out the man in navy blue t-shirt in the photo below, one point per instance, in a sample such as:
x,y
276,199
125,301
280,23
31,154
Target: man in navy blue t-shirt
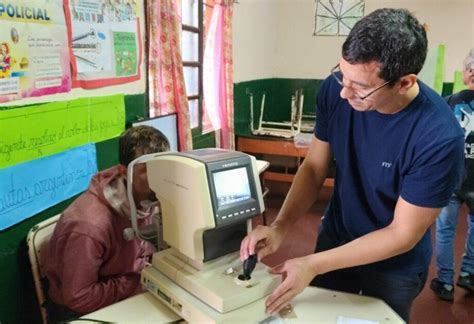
x,y
399,155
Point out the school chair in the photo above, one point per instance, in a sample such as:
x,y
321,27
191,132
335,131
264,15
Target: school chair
x,y
37,240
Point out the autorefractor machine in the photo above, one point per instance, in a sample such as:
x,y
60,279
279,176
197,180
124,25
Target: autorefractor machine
x,y
207,199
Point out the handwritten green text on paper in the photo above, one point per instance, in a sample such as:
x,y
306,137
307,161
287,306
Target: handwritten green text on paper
x,y
29,133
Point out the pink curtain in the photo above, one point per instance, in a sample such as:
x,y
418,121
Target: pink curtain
x,y
218,74
167,91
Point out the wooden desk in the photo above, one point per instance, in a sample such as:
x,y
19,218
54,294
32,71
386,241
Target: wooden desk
x,y
275,146
270,145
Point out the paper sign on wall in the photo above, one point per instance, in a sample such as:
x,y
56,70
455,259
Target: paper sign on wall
x,y
29,188
32,132
34,58
105,42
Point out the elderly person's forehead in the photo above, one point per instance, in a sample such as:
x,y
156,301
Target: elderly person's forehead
x,y
469,61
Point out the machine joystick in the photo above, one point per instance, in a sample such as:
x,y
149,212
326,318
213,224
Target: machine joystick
x,y
248,267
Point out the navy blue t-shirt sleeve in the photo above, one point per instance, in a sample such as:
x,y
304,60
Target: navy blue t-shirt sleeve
x,y
322,111
435,173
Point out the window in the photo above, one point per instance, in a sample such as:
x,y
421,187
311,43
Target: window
x,y
192,39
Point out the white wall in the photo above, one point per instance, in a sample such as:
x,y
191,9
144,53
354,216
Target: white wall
x,y
273,38
450,22
300,54
254,39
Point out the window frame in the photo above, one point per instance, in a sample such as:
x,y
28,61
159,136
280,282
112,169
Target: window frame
x,y
197,64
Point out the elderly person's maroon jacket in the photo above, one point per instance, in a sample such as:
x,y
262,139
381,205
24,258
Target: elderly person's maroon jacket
x,y
89,264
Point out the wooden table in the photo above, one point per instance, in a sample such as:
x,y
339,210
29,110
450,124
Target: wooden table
x,y
275,146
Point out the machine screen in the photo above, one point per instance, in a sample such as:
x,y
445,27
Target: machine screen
x,y
231,186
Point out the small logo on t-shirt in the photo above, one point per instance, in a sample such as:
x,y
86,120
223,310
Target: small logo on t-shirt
x,y
386,164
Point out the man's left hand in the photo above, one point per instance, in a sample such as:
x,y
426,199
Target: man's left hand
x,y
297,274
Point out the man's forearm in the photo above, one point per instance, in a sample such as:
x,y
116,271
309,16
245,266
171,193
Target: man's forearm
x,y
376,246
409,225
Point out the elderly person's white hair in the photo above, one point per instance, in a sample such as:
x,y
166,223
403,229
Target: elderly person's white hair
x,y
469,61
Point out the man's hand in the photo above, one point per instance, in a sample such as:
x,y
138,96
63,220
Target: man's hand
x,y
263,240
297,274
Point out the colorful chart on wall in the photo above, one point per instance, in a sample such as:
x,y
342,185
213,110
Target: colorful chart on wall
x,y
336,17
34,58
105,41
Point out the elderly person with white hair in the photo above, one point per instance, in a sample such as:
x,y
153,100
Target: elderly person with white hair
x,y
443,286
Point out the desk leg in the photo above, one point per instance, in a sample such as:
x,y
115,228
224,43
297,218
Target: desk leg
x,y
265,192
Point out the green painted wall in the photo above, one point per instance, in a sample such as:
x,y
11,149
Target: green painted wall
x,y
204,141
447,89
278,94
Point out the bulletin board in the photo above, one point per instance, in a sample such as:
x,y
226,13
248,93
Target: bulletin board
x,y
38,39
54,107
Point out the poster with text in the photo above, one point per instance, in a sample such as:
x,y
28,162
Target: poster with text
x,y
36,131
105,41
34,58
29,188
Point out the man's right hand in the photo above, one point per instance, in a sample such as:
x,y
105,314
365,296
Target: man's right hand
x,y
263,240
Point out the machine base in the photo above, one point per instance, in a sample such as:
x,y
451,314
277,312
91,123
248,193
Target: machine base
x,y
215,284
192,309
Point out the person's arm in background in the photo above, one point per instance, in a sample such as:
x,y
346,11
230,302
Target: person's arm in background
x,y
302,194
82,288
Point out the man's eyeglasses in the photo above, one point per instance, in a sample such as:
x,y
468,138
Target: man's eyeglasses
x,y
334,72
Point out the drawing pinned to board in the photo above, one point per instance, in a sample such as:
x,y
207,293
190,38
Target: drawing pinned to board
x,y
336,17
105,43
88,49
125,53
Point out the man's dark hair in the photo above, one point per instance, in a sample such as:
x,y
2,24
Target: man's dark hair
x,y
141,140
392,37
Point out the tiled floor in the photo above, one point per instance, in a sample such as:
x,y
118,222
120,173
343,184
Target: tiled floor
x,y
426,309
